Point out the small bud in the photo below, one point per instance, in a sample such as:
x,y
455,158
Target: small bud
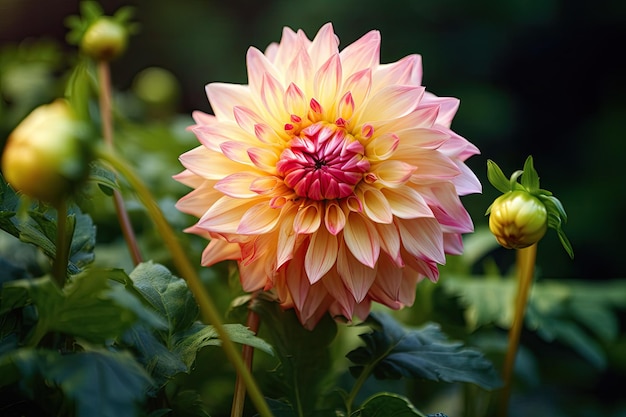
x,y
518,219
45,157
105,39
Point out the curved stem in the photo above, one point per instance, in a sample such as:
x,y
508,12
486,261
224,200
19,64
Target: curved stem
x,y
204,300
104,81
525,270
247,352
59,265
367,370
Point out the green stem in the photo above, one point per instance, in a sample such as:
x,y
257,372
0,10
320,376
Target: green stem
x,y
59,265
525,270
185,268
367,370
104,80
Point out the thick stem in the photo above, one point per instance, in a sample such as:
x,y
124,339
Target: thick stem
x,y
185,268
247,352
59,265
525,271
104,77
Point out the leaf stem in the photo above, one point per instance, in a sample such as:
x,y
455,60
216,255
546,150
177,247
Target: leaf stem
x,y
525,270
365,373
247,352
59,265
104,81
204,300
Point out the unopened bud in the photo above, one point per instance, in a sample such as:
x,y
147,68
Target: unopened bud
x,y
46,157
105,39
518,219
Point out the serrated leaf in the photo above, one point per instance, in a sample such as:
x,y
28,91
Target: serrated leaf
x,y
189,342
485,300
387,405
83,308
395,352
167,294
304,355
98,383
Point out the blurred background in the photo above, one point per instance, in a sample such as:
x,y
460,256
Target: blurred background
x,y
538,77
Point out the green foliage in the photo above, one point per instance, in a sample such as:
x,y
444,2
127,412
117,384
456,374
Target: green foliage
x,y
95,382
305,360
387,405
577,314
392,351
37,225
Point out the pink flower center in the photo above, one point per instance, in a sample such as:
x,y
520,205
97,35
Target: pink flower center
x,y
323,163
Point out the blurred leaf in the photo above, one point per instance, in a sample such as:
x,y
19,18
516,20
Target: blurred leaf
x,y
486,301
104,177
392,352
188,403
97,382
304,355
387,405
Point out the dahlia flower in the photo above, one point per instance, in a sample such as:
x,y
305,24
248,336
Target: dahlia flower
x,y
332,179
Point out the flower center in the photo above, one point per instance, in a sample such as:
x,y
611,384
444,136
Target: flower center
x,y
323,163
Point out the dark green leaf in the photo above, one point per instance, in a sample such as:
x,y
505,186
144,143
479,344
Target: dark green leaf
x,y
387,405
98,383
84,309
188,403
395,352
167,294
104,177
304,355
189,342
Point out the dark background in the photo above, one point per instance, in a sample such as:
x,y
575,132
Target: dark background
x,y
540,77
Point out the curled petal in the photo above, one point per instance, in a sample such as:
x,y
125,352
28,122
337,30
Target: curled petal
x,y
375,205
334,218
219,250
308,219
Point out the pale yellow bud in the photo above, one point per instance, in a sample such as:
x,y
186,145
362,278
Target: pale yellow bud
x,y
518,219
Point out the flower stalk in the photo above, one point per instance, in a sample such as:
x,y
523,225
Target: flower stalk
x,y
104,81
205,303
247,352
525,272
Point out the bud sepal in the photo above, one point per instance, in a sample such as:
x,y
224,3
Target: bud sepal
x,y
521,216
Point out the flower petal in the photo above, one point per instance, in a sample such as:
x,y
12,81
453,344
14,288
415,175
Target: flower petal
x,y
259,219
362,240
321,254
422,238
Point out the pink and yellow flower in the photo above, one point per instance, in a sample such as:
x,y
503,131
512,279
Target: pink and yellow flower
x,y
332,179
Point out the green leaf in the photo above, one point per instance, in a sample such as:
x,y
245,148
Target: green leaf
x,y
497,178
84,308
387,405
188,403
305,360
393,352
104,177
530,177
189,342
167,294
97,382
485,300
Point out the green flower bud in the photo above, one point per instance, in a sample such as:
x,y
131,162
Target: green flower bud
x,y
45,157
105,39
518,219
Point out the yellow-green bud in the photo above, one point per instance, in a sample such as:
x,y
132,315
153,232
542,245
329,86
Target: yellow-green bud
x,y
105,39
518,219
45,157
